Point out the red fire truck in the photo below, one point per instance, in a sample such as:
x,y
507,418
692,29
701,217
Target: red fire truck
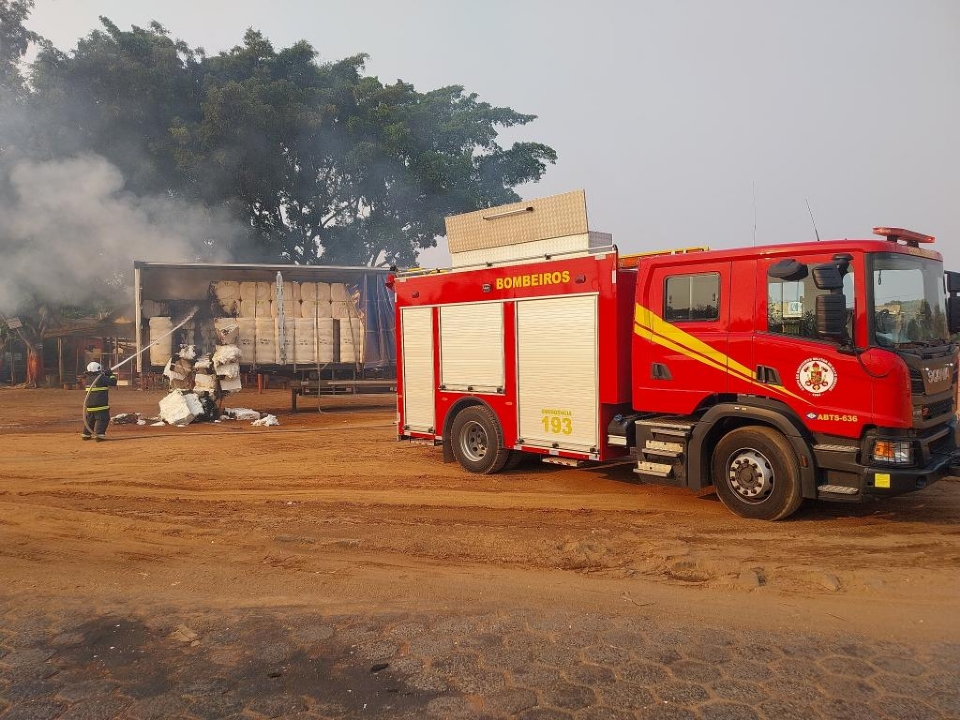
x,y
812,370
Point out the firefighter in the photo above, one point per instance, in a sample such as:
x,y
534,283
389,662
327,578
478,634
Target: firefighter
x,y
96,406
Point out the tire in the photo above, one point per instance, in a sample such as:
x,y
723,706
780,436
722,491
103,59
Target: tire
x,y
515,459
756,474
477,440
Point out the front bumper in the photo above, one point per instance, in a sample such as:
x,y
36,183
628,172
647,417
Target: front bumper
x,y
889,481
848,473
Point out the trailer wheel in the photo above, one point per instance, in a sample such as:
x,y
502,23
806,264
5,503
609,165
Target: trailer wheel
x,y
756,474
478,440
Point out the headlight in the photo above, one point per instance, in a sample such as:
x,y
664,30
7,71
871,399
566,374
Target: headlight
x,y
894,452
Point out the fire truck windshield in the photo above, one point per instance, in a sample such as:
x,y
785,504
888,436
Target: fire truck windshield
x,y
908,305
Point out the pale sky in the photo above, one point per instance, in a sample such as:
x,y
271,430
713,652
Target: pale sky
x,y
673,115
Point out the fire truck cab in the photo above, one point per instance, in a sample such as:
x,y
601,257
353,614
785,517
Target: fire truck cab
x,y
773,374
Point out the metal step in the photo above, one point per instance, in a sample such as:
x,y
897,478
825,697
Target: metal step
x,y
657,452
656,469
568,462
837,490
668,424
679,432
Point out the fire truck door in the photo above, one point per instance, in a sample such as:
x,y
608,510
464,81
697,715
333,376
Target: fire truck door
x,y
418,382
557,377
824,386
684,331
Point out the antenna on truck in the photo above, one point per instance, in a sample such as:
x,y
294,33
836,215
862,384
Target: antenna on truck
x,y
815,232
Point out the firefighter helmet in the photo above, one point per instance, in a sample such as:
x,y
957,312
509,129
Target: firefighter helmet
x,y
94,367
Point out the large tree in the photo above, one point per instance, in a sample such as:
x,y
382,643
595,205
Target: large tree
x,y
118,94
15,38
323,162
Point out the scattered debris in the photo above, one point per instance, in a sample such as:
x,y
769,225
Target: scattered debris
x,y
241,414
205,374
179,372
204,383
208,377
228,329
180,408
266,421
126,419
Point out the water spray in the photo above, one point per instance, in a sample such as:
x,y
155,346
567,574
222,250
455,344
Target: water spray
x,y
120,364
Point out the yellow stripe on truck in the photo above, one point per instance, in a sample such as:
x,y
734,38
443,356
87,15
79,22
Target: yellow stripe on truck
x,y
652,327
648,334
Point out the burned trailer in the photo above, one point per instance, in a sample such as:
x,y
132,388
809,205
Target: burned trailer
x,y
315,326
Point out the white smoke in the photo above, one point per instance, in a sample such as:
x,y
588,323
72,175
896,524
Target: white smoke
x,y
69,231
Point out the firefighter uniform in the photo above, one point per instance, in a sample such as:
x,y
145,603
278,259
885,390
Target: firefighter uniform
x,y
96,406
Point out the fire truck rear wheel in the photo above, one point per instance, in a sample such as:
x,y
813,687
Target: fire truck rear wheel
x,y
515,459
756,474
478,440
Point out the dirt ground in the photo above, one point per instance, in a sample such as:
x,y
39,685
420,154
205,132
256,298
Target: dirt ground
x,y
329,510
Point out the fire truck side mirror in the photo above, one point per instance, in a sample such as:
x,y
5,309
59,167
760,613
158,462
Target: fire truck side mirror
x,y
953,302
831,315
953,282
953,314
827,277
788,270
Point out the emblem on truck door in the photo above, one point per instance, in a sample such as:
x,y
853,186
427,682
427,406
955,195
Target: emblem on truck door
x,y
816,376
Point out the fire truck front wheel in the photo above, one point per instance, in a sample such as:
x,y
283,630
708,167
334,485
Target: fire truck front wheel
x,y
756,474
478,440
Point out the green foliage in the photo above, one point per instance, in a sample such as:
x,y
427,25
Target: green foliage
x,y
14,41
323,163
118,95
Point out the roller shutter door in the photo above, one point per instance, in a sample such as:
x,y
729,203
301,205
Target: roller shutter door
x,y
418,384
557,372
471,347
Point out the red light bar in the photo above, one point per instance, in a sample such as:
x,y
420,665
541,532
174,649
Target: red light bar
x,y
907,236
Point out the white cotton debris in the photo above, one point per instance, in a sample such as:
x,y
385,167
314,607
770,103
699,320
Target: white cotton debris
x,y
158,424
204,383
188,352
142,422
230,371
172,372
226,364
266,421
180,408
178,370
126,419
228,329
203,363
226,354
242,413
230,384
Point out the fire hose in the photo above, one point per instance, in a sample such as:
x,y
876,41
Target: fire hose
x,y
89,430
